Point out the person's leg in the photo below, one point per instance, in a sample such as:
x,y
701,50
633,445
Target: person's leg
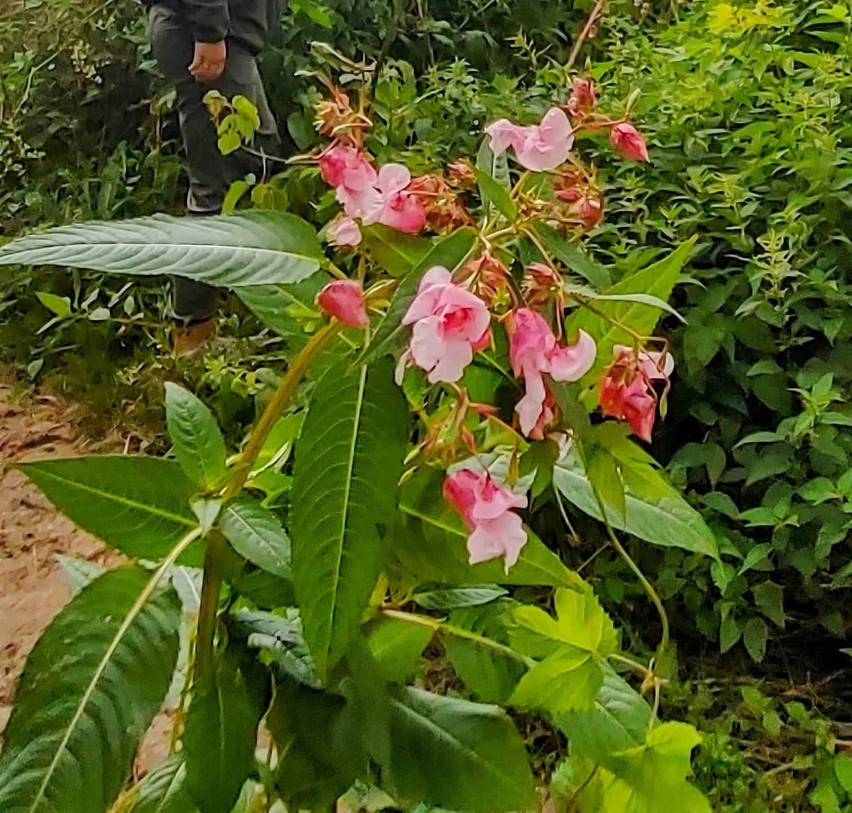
x,y
210,173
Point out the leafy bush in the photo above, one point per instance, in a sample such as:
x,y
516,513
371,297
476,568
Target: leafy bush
x,y
753,150
324,580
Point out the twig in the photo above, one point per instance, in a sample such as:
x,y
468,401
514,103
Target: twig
x,y
578,44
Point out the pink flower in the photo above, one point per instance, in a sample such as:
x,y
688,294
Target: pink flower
x,y
487,510
534,352
629,142
353,178
344,232
539,147
627,391
450,325
344,300
394,206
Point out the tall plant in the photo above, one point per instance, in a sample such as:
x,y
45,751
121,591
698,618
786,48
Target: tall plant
x,y
401,522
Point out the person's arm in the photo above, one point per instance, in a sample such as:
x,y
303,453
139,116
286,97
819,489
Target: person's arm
x,y
209,23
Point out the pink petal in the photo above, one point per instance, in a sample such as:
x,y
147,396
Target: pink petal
x,y
451,364
429,292
460,491
531,342
572,363
393,178
548,145
426,344
344,300
504,536
494,500
503,134
531,406
403,212
652,364
344,232
465,314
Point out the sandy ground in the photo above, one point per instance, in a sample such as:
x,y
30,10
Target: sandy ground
x,y
33,587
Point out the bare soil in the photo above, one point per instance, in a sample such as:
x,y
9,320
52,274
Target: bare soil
x,y
33,587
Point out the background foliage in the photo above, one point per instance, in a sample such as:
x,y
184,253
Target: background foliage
x,y
745,106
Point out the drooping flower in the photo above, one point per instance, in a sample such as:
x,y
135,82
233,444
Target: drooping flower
x,y
487,509
449,323
394,205
538,147
627,390
353,178
344,232
535,352
629,142
344,300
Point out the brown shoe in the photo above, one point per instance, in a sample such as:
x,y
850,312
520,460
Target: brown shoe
x,y
189,340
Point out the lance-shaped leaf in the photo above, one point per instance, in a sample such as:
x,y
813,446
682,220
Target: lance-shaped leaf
x,y
221,731
91,687
606,325
457,754
198,443
430,541
249,248
652,508
394,251
257,535
449,253
138,505
348,463
161,791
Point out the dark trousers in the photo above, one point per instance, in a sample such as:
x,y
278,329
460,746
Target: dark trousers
x,y
210,172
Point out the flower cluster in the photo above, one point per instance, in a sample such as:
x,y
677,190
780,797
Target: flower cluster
x,y
456,315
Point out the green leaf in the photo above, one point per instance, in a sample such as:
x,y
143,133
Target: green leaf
x,y
490,673
656,280
348,464
58,305
394,251
281,640
288,310
618,722
655,511
431,540
138,505
567,680
769,598
161,791
397,646
494,195
220,737
449,253
755,635
458,597
580,622
495,166
90,688
573,256
78,572
198,443
256,535
456,754
246,248
311,773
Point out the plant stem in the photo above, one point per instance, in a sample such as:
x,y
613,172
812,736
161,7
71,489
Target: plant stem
x,y
575,51
214,559
457,632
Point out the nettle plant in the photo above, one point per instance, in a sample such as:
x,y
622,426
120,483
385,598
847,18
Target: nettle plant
x,y
462,365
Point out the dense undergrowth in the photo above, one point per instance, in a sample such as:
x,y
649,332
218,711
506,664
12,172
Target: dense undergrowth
x,y
746,111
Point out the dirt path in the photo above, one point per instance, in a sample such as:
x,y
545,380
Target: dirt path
x,y
33,587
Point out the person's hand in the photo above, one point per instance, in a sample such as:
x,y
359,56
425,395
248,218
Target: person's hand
x,y
209,61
